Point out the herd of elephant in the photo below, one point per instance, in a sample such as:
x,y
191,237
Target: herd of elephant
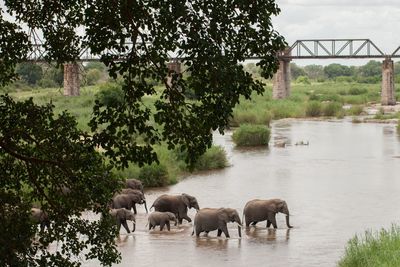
x,y
174,208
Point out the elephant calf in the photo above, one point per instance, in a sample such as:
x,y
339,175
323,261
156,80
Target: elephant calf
x,y
128,201
134,184
40,217
121,216
161,219
260,210
207,220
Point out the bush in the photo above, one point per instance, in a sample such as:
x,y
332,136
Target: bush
x,y
355,110
357,91
313,109
251,135
110,94
214,158
303,80
93,76
373,249
331,109
154,175
250,117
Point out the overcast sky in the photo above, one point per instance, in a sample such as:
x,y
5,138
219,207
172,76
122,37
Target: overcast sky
x,y
377,20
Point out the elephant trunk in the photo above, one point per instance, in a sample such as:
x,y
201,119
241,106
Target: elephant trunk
x,y
287,222
240,230
145,206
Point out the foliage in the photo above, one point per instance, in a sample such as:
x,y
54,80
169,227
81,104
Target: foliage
x,y
31,73
154,175
40,154
313,109
373,249
93,76
110,94
214,158
314,72
212,36
251,135
303,80
357,91
331,109
296,71
335,70
355,110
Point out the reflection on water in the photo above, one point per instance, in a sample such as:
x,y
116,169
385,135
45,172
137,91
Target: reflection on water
x,y
344,182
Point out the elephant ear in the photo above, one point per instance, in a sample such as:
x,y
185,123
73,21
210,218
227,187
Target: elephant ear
x,y
186,200
280,205
223,215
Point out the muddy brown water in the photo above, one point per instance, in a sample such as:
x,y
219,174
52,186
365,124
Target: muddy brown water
x,y
344,182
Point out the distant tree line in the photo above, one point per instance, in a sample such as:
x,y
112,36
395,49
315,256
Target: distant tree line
x,y
370,73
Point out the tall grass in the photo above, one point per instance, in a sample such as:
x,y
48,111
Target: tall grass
x,y
373,249
251,135
214,158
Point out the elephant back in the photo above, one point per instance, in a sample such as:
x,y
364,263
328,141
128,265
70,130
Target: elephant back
x,y
167,203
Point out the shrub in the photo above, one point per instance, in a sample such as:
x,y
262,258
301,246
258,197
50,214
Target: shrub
x,y
250,117
357,91
303,80
313,109
214,158
93,76
355,110
373,249
331,109
110,94
251,135
154,175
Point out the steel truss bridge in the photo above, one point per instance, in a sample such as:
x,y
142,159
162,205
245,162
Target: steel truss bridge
x,y
301,49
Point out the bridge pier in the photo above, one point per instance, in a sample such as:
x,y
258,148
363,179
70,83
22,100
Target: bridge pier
x,y
173,67
388,92
71,79
281,79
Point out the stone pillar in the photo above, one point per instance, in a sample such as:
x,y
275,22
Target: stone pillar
x,y
173,67
281,79
71,79
388,92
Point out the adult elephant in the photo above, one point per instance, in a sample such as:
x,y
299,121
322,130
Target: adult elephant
x,y
178,205
260,210
134,184
40,217
121,216
161,219
208,219
127,201
136,192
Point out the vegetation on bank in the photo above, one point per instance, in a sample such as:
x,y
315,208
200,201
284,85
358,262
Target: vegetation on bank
x,y
373,249
251,135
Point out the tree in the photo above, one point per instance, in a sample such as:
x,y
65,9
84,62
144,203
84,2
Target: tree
x,y
30,72
371,69
334,70
210,37
314,72
296,71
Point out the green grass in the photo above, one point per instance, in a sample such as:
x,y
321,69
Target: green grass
x,y
373,249
251,135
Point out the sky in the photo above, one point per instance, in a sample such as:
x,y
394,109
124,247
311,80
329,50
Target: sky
x,y
377,20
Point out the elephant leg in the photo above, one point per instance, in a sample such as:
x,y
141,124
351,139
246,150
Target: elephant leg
x,y
273,221
168,226
225,230
150,225
162,225
180,220
219,232
268,223
125,225
134,209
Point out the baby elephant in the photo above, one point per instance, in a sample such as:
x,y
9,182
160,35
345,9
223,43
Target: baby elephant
x,y
161,219
121,216
207,220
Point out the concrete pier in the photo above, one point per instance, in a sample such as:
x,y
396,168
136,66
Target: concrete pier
x,y
388,92
71,79
281,79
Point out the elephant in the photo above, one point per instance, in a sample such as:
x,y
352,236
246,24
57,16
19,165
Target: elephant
x,y
208,219
136,192
134,184
161,219
121,216
178,205
127,201
260,210
40,217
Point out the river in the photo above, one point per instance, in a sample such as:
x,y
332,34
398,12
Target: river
x,y
344,182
